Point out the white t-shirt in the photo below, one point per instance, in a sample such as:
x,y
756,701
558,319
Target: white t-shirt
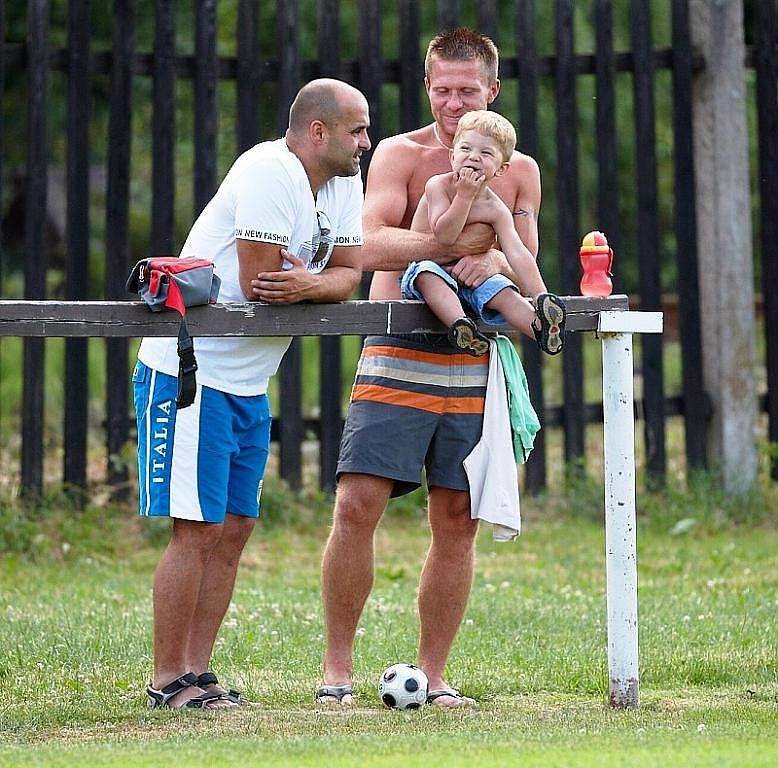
x,y
266,197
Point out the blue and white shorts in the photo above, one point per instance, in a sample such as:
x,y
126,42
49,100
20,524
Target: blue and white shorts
x,y
207,460
477,297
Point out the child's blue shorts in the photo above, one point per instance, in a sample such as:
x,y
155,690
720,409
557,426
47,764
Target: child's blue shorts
x,y
204,461
476,298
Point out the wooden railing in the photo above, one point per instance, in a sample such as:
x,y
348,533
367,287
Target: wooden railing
x,y
116,320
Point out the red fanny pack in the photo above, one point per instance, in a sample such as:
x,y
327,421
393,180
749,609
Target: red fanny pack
x,y
170,282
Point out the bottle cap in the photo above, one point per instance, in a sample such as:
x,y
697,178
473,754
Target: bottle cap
x,y
594,241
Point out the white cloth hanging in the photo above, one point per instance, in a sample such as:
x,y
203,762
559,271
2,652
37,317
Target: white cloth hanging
x,y
491,466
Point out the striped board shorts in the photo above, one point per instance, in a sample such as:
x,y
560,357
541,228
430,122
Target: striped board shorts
x,y
201,462
416,403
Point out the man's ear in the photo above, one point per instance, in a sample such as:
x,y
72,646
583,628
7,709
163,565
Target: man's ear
x,y
494,89
426,84
317,132
502,169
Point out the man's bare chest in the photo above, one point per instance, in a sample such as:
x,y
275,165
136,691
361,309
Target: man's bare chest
x,y
431,163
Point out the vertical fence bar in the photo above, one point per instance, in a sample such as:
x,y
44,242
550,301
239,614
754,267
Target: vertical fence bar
x,y
2,150
117,227
163,178
77,263
648,235
330,420
449,13
486,18
370,80
535,476
370,65
247,87
486,23
2,131
766,27
291,426
329,38
287,15
205,79
605,121
695,404
410,65
36,247
567,165
2,175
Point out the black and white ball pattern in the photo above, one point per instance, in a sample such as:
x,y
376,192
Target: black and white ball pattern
x,y
403,686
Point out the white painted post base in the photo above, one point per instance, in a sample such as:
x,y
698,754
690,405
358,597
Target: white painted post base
x,y
620,522
621,564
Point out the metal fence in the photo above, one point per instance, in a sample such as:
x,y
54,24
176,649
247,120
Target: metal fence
x,y
252,70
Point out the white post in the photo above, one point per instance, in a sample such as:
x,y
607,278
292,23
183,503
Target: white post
x,y
620,521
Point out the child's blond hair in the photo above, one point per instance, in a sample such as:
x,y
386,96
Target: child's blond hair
x,y
492,125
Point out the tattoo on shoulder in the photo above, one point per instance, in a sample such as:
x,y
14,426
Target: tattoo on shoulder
x,y
525,212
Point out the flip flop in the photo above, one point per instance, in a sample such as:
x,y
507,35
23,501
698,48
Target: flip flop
x,y
333,691
465,701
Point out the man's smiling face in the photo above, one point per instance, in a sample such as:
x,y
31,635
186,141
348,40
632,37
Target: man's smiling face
x,y
456,87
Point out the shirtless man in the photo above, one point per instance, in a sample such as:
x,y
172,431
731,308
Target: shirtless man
x,y
401,418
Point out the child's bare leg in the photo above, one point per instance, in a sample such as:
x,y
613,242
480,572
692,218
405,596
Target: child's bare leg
x,y
440,297
516,309
530,280
444,302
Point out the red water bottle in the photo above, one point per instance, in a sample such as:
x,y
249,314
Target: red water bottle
x,y
596,260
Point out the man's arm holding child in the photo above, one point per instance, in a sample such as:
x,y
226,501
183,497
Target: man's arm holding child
x,y
388,245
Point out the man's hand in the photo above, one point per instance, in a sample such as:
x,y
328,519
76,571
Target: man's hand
x,y
285,286
473,270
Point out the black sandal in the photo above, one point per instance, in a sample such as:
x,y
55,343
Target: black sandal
x,y
333,691
209,678
552,315
160,698
464,335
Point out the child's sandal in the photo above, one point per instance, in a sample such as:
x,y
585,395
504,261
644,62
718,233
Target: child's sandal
x,y
552,315
464,335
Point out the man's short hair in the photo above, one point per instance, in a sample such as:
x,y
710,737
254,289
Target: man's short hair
x,y
317,100
463,44
489,124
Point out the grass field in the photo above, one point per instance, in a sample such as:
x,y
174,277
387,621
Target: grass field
x,y
75,645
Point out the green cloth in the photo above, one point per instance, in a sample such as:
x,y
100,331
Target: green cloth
x,y
524,421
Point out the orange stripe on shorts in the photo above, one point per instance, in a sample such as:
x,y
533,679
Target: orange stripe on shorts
x,y
432,403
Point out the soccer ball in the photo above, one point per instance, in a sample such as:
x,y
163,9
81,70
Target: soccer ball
x,y
403,686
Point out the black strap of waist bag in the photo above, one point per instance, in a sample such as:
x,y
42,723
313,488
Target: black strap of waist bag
x,y
187,365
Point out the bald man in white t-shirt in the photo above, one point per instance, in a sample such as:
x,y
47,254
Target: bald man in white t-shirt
x,y
287,217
